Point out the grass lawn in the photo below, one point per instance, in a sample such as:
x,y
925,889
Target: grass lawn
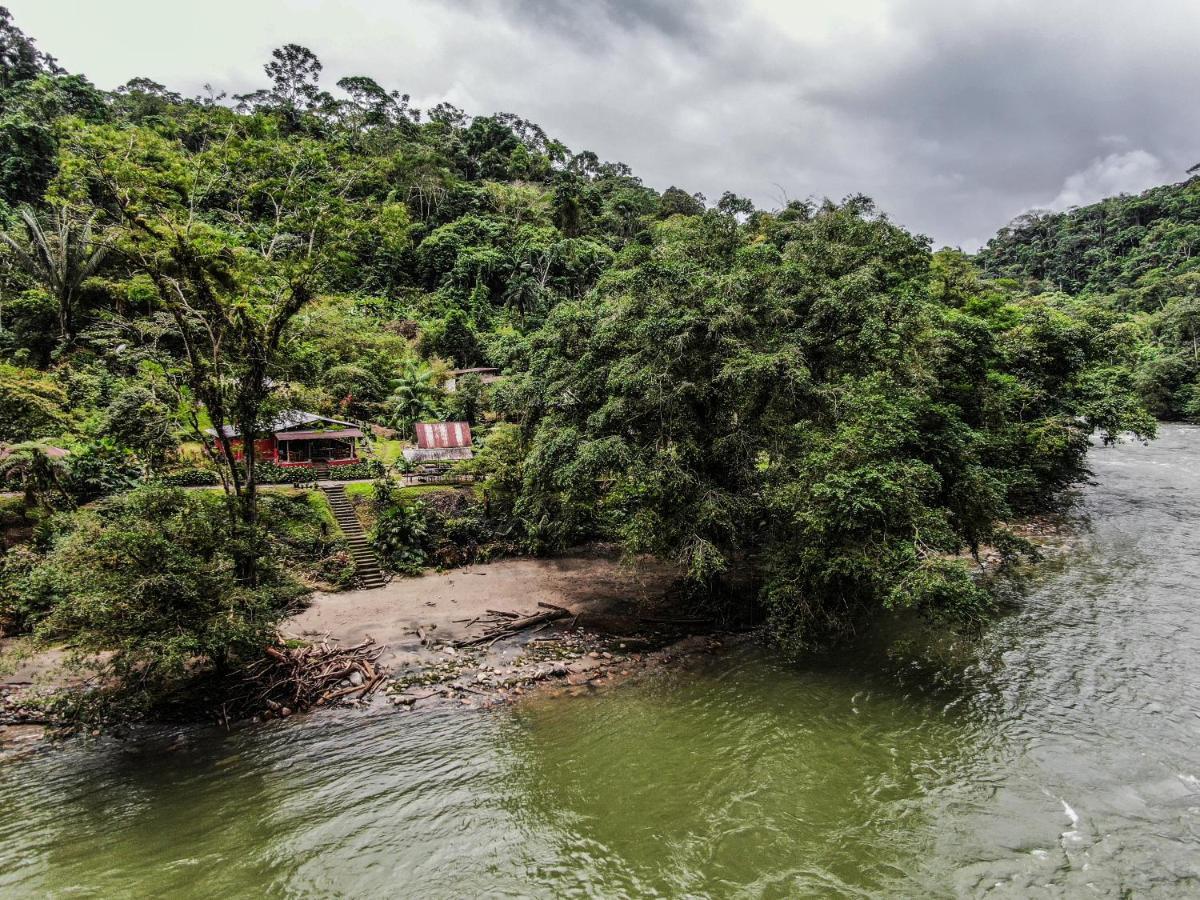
x,y
387,452
360,489
320,505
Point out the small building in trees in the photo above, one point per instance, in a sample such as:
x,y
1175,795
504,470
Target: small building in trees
x,y
454,376
439,446
297,438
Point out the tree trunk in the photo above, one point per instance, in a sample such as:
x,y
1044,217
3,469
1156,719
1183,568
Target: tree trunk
x,y
247,561
66,320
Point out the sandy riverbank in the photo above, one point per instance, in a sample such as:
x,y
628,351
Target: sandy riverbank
x,y
443,604
418,621
420,624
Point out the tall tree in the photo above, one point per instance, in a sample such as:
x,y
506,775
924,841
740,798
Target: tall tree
x,y
20,59
236,239
295,73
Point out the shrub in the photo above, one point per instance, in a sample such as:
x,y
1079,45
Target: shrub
x,y
194,477
302,532
401,538
20,605
368,468
149,576
100,470
270,473
444,527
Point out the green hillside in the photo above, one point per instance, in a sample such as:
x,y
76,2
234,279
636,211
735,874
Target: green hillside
x,y
1136,255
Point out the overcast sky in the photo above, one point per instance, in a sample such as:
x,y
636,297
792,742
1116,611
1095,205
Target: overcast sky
x,y
955,115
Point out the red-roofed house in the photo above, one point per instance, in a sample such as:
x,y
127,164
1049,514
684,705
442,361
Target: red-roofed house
x,y
440,442
300,439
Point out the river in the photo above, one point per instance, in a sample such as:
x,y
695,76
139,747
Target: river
x,y
1057,755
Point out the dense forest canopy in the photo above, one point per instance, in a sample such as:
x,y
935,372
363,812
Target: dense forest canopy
x,y
807,397
1137,255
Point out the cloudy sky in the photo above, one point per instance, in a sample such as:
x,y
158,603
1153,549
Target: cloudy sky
x,y
955,115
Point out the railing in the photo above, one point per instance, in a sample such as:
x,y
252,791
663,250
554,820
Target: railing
x,y
409,479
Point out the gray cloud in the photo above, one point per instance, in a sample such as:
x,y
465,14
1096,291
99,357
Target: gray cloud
x,y
955,116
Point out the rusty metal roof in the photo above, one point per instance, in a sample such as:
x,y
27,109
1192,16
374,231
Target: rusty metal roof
x,y
313,435
432,435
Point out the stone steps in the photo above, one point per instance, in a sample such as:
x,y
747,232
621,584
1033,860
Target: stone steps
x,y
366,565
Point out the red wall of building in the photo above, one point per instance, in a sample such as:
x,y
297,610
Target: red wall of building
x,y
264,448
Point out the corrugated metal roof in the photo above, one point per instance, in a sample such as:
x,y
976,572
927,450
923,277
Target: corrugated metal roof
x,y
313,435
443,434
437,454
290,418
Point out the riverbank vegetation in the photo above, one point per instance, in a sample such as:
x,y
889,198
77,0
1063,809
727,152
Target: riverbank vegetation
x,y
1136,259
808,399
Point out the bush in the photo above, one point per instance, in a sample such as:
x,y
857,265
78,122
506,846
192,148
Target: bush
x,y
149,576
368,468
20,605
269,473
100,470
443,528
303,533
401,538
195,477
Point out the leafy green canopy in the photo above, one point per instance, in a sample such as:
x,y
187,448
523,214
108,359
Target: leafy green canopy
x,y
793,395
1136,255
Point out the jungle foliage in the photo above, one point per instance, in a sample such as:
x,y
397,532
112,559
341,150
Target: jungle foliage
x,y
1137,256
808,395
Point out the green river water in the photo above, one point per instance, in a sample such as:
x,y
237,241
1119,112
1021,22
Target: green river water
x,y
1058,755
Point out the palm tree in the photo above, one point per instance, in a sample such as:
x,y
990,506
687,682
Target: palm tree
x,y
413,398
60,251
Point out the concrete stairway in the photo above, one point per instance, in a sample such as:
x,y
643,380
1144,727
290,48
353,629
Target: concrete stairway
x,y
320,471
365,563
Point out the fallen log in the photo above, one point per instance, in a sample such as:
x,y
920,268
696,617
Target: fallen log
x,y
514,626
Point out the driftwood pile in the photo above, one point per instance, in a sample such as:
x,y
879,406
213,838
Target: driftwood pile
x,y
502,623
292,679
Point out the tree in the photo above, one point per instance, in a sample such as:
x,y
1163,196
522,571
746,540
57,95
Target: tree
x,y
677,202
799,398
231,281
20,60
59,251
375,107
151,578
34,91
466,403
296,74
137,419
142,98
414,397
39,471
